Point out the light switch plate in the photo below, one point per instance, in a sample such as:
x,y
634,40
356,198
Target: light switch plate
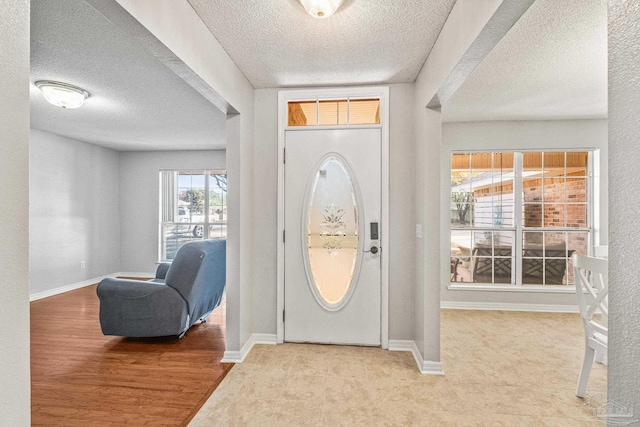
x,y
419,231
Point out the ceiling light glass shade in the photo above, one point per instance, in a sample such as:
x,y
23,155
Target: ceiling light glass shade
x,y
62,94
321,8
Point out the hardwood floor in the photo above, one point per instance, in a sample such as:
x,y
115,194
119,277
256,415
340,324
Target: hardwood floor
x,y
80,377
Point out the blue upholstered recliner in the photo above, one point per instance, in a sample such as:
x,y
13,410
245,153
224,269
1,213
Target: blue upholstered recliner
x,y
182,293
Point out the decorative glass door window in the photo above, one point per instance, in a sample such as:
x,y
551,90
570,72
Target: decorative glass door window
x,y
331,232
193,206
517,217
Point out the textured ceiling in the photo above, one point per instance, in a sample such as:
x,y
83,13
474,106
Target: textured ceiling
x,y
277,44
551,65
136,102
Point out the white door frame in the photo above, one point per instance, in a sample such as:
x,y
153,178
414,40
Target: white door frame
x,y
284,97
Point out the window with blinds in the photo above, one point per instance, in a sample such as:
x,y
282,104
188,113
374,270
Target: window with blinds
x,y
193,206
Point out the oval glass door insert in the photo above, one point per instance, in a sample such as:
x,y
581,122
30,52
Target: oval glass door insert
x,y
332,233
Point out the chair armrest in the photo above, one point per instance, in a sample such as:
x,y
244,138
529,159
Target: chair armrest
x,y
138,308
161,272
128,288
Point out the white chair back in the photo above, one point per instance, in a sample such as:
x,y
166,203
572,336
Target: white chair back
x,y
592,288
591,277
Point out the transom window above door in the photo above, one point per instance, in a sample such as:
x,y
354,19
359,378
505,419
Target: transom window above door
x,y
517,217
334,112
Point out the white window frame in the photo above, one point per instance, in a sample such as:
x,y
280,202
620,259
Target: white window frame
x,y
206,224
518,228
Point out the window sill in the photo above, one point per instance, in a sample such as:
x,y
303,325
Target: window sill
x,y
550,289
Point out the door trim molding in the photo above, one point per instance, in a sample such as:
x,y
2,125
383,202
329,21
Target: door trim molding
x,y
381,92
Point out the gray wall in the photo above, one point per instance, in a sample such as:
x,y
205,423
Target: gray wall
x,y
624,225
139,183
14,239
401,212
401,294
265,214
427,248
96,205
515,135
73,210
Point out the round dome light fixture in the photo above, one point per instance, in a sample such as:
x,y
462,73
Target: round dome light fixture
x,y
321,8
62,94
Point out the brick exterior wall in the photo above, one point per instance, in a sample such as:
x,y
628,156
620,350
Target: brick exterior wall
x,y
555,208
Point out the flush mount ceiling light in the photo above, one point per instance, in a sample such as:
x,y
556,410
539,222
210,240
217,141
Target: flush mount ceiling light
x,y
321,8
62,94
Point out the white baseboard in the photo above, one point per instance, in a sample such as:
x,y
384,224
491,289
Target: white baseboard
x,y
88,282
429,367
507,306
426,367
269,339
239,356
67,288
401,345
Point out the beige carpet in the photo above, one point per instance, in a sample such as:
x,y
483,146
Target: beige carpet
x,y
502,369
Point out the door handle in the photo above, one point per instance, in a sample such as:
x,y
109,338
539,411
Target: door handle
x,y
373,250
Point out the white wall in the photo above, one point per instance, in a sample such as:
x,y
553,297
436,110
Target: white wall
x,y
73,211
139,183
515,135
178,26
624,190
401,211
15,407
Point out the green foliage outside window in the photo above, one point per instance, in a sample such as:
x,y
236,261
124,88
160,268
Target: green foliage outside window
x,y
195,198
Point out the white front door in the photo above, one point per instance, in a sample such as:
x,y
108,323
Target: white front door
x,y
332,236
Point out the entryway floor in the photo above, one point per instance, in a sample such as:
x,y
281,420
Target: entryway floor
x,y
502,368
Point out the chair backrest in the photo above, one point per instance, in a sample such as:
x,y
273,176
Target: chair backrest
x,y
197,267
591,277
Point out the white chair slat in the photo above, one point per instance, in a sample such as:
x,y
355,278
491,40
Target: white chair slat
x,y
592,288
